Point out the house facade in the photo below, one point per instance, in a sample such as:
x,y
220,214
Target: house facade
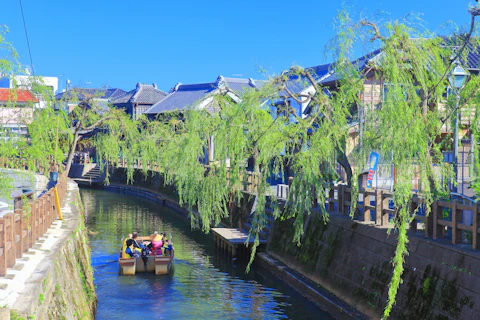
x,y
16,111
372,97
139,100
43,87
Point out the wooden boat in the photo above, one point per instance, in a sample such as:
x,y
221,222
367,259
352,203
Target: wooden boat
x,y
160,264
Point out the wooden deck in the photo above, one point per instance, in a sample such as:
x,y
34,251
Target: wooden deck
x,y
232,241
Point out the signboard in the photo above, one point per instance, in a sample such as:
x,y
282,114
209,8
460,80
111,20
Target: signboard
x,y
373,162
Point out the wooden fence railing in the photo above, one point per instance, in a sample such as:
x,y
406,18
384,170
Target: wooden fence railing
x,y
377,208
31,218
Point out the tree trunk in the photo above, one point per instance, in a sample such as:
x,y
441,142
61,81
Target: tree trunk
x,y
72,149
256,165
343,160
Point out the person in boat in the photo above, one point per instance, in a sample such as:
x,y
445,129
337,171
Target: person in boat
x,y
124,246
137,245
125,241
157,243
130,251
168,248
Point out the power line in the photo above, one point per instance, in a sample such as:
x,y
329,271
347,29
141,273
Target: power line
x,y
26,34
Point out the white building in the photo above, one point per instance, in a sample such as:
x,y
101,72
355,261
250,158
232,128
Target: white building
x,y
28,82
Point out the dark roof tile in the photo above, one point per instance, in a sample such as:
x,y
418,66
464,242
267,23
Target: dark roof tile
x,y
184,95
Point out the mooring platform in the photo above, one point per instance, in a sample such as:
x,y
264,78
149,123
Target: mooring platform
x,y
231,241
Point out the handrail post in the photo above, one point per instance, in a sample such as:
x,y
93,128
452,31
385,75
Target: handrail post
x,y
384,214
367,212
3,260
10,244
378,207
331,196
456,234
475,240
18,233
340,193
436,227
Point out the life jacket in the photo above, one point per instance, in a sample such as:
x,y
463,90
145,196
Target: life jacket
x,y
124,247
125,255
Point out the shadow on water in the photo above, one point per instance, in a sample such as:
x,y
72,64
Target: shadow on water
x,y
201,285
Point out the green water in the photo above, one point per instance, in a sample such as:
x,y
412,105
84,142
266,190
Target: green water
x,y
202,284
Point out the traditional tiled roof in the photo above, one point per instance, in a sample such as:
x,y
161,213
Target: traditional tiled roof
x,y
359,64
82,93
182,96
17,95
114,93
142,94
470,61
297,84
123,98
239,86
185,95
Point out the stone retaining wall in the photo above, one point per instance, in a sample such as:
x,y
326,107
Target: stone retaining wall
x,y
352,260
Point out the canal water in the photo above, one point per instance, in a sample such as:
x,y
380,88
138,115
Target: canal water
x,y
201,285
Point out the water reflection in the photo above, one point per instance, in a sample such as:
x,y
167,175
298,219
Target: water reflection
x,y
202,285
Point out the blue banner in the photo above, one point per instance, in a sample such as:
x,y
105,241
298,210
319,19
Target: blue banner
x,y
373,162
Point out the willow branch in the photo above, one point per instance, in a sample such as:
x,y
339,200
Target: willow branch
x,y
99,122
295,96
460,105
474,12
376,31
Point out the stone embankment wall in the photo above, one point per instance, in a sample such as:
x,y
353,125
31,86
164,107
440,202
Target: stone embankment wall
x,y
152,181
62,285
353,261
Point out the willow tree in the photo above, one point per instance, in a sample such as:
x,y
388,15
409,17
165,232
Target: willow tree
x,y
49,139
89,114
405,128
40,146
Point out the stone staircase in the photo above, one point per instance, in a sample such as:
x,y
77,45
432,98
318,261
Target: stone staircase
x,y
93,176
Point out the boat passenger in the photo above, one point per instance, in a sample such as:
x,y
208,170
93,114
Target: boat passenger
x,y
168,248
124,246
157,243
130,251
137,245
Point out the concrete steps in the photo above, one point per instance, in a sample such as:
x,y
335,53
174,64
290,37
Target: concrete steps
x,y
94,173
93,176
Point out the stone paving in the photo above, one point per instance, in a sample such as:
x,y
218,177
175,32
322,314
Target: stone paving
x,y
25,268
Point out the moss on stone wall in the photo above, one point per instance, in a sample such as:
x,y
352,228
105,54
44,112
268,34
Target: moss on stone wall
x,y
429,294
152,180
318,246
352,260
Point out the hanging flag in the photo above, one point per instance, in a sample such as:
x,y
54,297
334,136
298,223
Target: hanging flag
x,y
373,167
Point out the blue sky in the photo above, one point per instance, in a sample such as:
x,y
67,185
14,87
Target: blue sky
x,y
119,43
